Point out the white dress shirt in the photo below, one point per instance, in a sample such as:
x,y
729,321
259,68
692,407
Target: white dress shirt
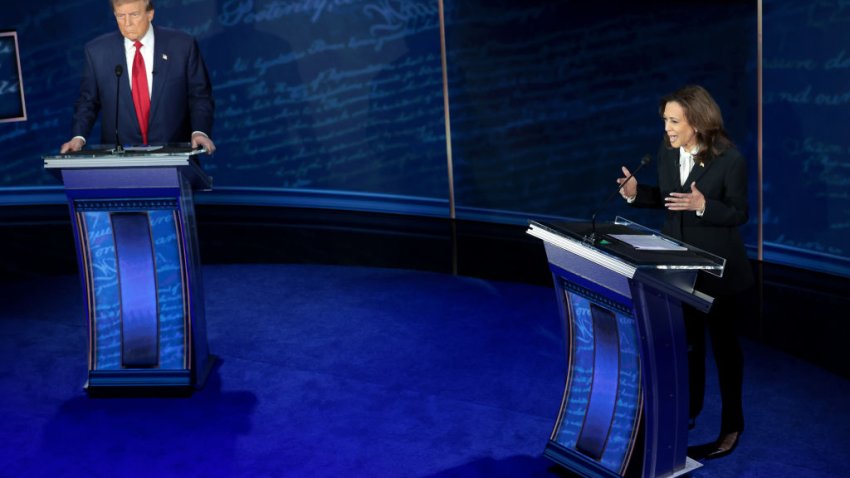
x,y
686,163
147,55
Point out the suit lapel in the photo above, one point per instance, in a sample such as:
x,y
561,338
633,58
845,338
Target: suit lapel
x,y
160,70
128,108
696,173
686,186
673,168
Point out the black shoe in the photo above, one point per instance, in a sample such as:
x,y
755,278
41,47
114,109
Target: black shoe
x,y
724,445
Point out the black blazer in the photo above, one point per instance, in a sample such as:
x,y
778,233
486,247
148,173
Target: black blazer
x,y
723,182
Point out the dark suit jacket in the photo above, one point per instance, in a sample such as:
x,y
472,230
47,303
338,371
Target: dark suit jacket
x,y
181,100
723,182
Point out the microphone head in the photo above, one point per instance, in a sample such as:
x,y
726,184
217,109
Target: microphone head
x,y
646,159
119,70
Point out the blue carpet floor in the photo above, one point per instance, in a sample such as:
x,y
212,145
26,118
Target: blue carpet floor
x,y
348,371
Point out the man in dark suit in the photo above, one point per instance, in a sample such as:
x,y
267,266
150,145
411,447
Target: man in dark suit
x,y
177,107
702,184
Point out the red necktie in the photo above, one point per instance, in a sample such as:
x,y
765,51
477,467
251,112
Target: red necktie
x,y
141,97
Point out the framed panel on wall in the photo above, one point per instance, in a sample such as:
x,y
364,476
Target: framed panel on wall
x,y
12,104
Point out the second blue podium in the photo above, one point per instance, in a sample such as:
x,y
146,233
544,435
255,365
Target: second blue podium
x,y
620,289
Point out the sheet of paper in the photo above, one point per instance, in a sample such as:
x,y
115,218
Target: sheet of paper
x,y
649,242
142,148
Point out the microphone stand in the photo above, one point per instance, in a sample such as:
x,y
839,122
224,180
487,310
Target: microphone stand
x,y
592,237
119,70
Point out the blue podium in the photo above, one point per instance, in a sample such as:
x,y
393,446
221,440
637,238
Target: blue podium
x,y
133,219
620,289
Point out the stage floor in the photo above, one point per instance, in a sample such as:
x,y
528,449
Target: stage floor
x,y
360,371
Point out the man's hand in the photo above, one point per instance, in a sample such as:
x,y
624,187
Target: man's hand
x,y
202,140
75,144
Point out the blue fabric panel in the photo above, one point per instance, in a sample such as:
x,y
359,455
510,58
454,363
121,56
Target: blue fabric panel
x,y
625,424
169,279
603,390
618,378
103,285
580,374
137,287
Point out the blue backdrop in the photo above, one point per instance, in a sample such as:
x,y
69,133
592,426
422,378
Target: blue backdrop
x,y
339,103
806,141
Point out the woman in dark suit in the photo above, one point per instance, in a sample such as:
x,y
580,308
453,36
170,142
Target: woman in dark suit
x,y
702,184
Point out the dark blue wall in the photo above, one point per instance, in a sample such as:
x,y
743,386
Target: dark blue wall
x,y
807,134
343,99
333,95
549,99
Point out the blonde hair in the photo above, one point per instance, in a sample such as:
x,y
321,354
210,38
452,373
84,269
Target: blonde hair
x,y
148,3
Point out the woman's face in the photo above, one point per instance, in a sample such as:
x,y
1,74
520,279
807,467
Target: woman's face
x,y
679,131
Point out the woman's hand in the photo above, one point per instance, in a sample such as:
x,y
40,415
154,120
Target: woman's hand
x,y
629,191
692,201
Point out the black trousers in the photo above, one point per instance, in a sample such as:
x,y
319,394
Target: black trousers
x,y
721,323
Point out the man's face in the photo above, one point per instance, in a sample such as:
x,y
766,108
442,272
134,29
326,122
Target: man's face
x,y
133,20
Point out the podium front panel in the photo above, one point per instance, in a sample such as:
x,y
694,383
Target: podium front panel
x,y
135,290
600,416
134,228
624,408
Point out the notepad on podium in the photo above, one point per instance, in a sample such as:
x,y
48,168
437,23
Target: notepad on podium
x,y
649,242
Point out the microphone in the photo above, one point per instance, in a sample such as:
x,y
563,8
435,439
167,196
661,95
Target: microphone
x,y
592,238
119,70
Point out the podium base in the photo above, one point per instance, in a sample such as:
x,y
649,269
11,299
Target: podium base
x,y
588,467
147,383
690,465
205,372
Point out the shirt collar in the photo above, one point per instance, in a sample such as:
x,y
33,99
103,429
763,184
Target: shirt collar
x,y
147,40
683,154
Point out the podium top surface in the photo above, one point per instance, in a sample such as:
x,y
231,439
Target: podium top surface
x,y
131,156
105,159
610,246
